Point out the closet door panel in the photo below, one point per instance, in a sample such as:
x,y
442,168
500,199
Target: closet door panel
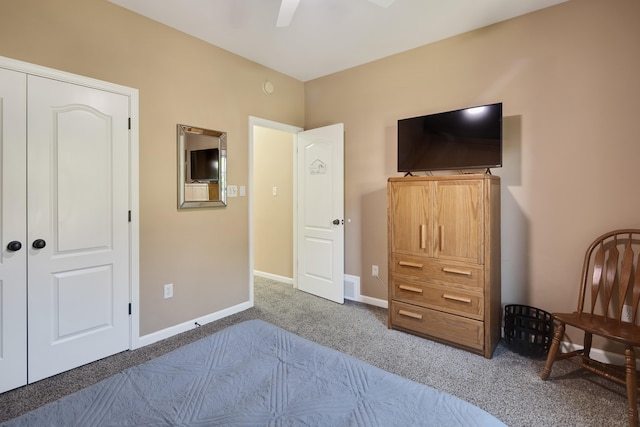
x,y
78,283
13,205
82,144
90,285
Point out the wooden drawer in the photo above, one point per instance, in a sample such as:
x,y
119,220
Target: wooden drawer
x,y
442,326
433,271
451,300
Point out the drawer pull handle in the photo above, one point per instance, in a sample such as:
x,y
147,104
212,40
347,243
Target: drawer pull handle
x,y
455,298
410,264
410,289
410,314
423,236
456,271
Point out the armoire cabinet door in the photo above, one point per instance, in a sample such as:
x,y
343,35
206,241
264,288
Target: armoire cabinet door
x,y
13,216
459,220
412,228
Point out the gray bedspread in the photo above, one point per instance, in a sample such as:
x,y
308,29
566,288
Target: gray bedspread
x,y
256,374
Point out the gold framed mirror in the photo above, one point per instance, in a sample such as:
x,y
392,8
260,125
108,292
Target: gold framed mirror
x,y
202,168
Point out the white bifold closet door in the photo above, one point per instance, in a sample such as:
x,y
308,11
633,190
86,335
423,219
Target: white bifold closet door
x,y
13,220
65,197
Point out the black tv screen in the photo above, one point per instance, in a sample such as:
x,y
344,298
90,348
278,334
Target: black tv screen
x,y
204,164
470,138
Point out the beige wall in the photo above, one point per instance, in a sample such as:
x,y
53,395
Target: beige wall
x,y
569,80
567,75
273,215
204,253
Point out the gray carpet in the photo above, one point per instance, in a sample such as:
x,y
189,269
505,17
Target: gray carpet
x,y
507,386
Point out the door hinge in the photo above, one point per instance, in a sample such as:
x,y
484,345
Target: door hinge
x,y
129,123
129,216
129,309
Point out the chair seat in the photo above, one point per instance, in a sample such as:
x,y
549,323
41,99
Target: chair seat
x,y
623,332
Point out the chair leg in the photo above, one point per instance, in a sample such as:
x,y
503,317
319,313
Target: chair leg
x,y
632,385
588,338
553,351
586,350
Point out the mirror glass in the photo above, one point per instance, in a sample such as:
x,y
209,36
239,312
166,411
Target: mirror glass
x,y
202,167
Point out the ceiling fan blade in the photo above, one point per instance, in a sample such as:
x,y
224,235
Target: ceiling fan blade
x,y
382,3
287,9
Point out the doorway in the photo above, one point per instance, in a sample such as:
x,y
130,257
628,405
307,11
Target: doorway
x,y
273,178
271,198
306,230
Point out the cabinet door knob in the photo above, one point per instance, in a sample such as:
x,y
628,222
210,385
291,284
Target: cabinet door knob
x,y
14,246
39,244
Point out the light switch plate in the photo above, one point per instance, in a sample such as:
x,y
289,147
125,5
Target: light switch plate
x,y
232,191
168,290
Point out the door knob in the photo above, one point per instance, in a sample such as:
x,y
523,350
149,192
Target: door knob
x,y
336,222
14,246
39,244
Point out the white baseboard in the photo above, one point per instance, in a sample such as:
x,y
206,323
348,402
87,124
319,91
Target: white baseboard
x,y
374,301
191,324
275,277
599,355
352,283
352,292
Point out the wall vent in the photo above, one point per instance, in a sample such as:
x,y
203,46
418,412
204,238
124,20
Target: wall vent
x,y
351,287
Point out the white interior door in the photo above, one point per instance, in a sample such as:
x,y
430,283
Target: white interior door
x,y
78,230
320,212
13,216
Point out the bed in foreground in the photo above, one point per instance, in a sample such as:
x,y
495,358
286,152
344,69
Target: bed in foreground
x,y
254,374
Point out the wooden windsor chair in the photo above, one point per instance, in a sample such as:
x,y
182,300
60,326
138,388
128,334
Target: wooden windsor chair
x,y
607,307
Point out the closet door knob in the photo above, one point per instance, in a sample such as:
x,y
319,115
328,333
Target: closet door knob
x,y
39,244
14,246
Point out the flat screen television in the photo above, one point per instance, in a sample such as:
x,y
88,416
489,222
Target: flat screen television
x,y
204,164
470,138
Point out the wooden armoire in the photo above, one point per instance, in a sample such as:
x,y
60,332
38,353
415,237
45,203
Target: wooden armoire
x,y
444,259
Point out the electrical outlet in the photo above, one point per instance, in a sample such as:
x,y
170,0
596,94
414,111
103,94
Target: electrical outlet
x,y
374,270
626,313
168,290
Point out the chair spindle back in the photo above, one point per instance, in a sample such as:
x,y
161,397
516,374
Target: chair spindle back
x,y
610,282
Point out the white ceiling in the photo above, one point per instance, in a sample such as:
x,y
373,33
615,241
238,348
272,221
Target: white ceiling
x,y
326,36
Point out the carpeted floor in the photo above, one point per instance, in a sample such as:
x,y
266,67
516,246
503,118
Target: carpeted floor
x,y
507,386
